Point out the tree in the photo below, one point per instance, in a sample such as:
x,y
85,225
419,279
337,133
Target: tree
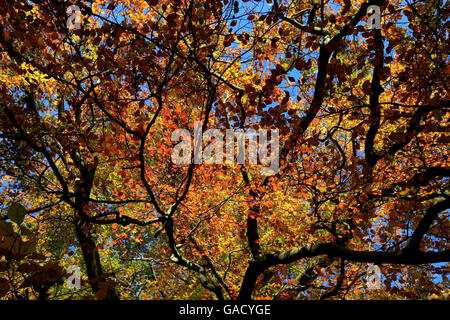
x,y
87,116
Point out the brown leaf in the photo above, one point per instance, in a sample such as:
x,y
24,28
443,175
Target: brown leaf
x,y
4,287
101,294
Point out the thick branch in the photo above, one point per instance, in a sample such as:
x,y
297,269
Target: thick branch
x,y
375,113
426,222
334,250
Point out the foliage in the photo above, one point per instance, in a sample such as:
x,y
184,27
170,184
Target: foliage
x,y
24,274
86,118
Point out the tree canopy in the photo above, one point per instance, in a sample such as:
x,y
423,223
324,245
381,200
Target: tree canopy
x,y
90,97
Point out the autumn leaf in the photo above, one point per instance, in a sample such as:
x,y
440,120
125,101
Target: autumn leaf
x,y
358,174
6,228
16,213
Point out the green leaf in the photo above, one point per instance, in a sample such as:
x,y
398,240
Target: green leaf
x,y
26,232
16,212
